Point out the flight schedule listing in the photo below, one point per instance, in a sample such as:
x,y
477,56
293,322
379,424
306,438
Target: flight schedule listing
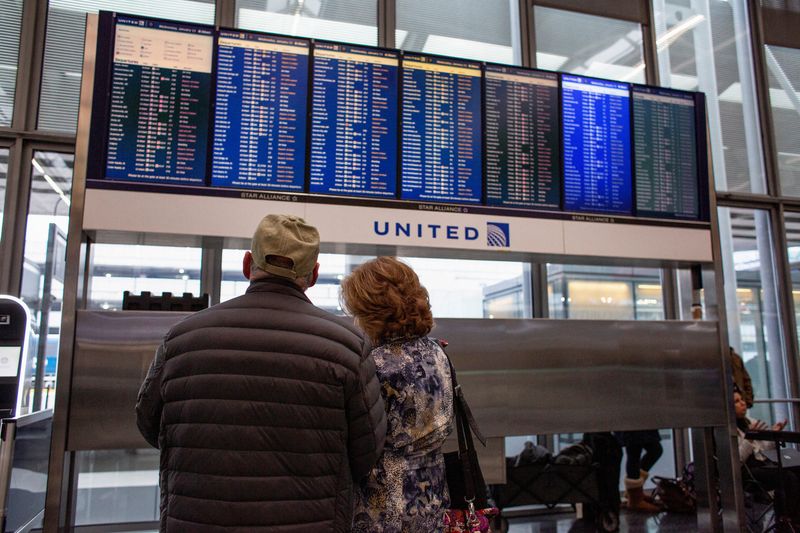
x,y
354,99
596,136
213,111
441,130
522,138
159,97
260,111
665,153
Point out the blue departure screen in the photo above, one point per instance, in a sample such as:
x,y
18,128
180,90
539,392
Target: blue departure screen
x,y
522,141
354,121
260,112
158,113
665,153
441,129
596,145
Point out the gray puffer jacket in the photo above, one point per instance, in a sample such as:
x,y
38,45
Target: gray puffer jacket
x,y
265,409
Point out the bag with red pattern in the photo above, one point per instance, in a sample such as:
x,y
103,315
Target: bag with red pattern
x,y
470,520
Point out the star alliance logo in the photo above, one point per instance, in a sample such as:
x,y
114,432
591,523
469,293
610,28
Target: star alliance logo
x,y
497,234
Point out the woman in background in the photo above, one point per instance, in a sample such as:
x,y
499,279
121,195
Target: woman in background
x,y
756,467
407,490
637,466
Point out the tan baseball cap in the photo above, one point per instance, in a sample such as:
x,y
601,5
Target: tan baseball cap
x,y
285,236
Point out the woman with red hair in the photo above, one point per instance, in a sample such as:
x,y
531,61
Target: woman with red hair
x,y
407,490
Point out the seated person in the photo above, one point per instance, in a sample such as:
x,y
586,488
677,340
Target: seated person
x,y
755,465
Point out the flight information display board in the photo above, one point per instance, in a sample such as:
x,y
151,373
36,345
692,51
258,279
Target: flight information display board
x,y
260,111
596,134
193,109
441,130
158,103
665,153
522,138
354,105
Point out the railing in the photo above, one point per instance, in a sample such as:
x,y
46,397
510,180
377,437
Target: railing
x,y
788,401
778,400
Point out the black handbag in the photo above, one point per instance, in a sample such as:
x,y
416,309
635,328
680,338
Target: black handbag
x,y
469,506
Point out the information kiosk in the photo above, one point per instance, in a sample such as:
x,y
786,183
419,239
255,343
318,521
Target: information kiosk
x,y
15,333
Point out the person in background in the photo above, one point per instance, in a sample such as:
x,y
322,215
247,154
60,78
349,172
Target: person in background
x,y
266,409
407,489
637,466
741,378
755,465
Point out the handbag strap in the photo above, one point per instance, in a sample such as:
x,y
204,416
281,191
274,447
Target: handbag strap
x,y
465,425
466,450
459,401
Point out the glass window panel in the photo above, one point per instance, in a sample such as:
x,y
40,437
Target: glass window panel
x,y
792,221
10,21
63,53
461,288
472,29
45,261
589,45
233,281
705,46
117,268
783,67
117,486
649,302
604,293
3,183
457,288
751,304
352,21
324,294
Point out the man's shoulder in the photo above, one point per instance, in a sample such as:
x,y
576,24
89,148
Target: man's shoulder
x,y
341,321
269,311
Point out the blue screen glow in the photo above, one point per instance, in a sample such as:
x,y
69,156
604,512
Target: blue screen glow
x,y
596,123
354,121
442,160
260,112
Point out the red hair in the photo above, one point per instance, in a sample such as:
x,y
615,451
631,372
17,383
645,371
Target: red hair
x,y
387,300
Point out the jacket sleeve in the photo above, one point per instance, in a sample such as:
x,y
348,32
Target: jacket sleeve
x,y
149,402
366,418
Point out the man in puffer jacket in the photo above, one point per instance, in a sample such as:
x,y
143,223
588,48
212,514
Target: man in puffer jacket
x,y
266,409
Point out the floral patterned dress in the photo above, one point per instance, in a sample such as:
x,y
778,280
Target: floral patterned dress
x,y
406,492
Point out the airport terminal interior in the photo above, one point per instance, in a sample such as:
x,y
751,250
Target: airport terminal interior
x,y
605,207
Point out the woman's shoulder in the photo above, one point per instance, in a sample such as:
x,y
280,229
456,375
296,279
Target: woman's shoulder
x,y
406,352
407,345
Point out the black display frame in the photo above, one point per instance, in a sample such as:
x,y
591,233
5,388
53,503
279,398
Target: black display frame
x,y
98,135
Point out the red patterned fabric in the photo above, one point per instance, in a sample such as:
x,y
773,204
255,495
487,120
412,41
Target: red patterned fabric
x,y
460,521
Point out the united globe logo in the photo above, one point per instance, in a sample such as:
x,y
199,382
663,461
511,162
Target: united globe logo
x,y
497,234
